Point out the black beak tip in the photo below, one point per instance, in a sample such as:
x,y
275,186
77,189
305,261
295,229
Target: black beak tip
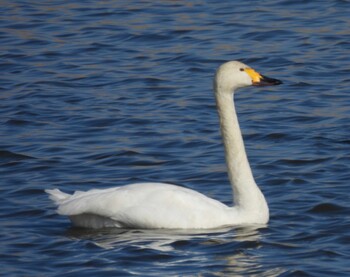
x,y
266,81
277,82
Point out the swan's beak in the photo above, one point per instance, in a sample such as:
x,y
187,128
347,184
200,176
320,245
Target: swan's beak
x,y
266,81
261,80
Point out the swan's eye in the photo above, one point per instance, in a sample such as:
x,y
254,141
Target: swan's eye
x,y
241,69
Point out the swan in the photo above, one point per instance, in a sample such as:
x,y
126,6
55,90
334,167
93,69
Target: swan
x,y
167,206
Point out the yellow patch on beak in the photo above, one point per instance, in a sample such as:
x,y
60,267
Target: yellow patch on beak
x,y
256,77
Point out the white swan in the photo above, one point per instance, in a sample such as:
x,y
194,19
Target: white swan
x,y
159,205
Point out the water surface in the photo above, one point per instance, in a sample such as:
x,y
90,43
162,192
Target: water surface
x,y
97,94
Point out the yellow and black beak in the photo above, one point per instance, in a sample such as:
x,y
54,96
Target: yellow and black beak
x,y
261,80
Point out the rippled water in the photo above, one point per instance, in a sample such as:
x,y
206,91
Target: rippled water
x,y
96,94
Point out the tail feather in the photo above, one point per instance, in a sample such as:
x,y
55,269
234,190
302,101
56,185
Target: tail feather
x,y
57,196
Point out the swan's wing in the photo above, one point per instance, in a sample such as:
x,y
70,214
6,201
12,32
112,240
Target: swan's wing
x,y
148,205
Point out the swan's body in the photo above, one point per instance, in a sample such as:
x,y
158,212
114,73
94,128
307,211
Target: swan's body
x,y
159,205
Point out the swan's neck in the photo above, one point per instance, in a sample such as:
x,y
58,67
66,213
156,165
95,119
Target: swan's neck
x,y
247,195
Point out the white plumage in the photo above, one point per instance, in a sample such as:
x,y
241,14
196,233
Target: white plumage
x,y
160,205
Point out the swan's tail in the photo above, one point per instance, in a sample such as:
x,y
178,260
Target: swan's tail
x,y
57,196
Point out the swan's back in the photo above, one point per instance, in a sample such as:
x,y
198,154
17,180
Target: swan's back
x,y
144,205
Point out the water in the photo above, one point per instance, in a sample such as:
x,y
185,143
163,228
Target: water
x,y
96,94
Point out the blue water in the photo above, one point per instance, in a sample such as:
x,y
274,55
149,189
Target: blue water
x,y
97,94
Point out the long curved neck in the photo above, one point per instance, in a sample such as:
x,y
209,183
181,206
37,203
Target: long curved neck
x,y
246,193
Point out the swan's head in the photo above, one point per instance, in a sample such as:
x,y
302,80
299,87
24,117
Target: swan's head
x,y
234,75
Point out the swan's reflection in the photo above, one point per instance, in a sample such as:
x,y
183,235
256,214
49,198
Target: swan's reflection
x,y
155,239
230,250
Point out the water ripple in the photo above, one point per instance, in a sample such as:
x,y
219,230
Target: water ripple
x,y
103,93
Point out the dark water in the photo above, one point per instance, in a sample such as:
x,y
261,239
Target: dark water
x,y
97,94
